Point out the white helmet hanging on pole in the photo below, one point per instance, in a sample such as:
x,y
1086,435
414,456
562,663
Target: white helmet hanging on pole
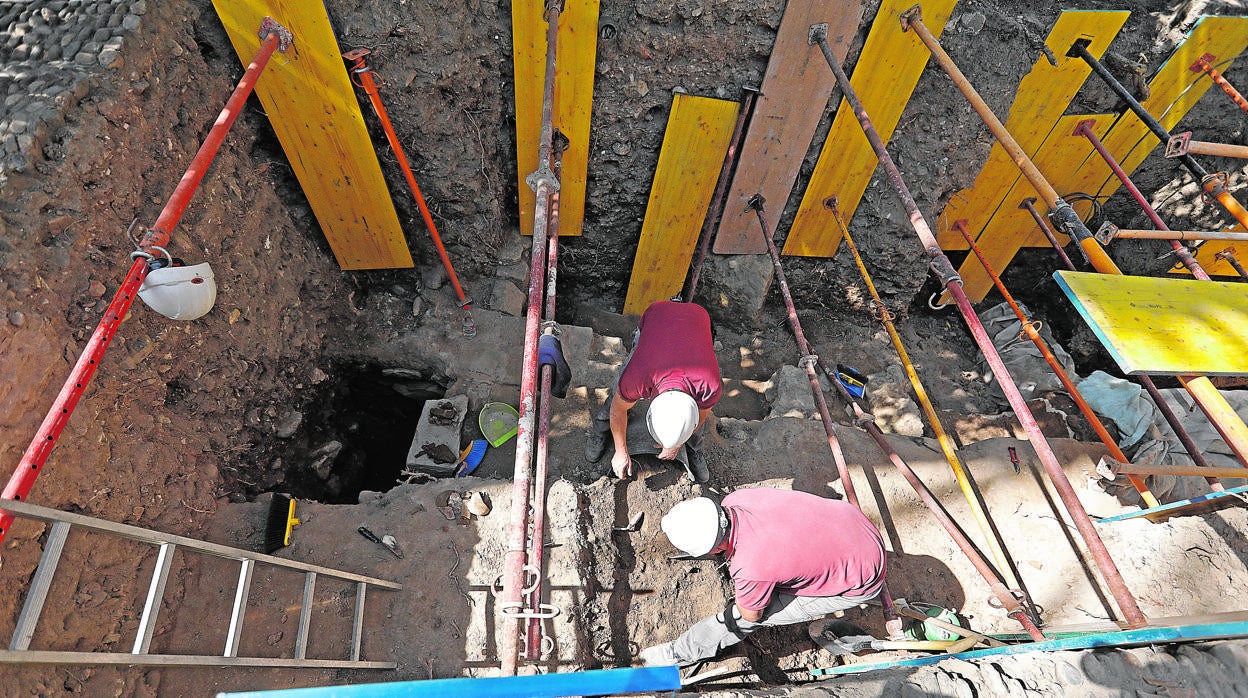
x,y
180,293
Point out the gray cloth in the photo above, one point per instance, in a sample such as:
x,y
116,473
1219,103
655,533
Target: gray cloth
x,y
712,635
1028,367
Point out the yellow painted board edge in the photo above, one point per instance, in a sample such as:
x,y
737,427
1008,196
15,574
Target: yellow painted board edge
x,y
1042,96
887,71
312,107
694,147
573,100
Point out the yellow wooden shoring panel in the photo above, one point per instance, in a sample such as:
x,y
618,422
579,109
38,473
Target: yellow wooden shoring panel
x,y
1042,96
794,93
574,92
885,76
313,109
1173,91
694,146
1011,225
1164,326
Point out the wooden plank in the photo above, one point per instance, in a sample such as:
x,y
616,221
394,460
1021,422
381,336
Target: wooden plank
x,y
885,76
795,92
314,112
1042,97
694,146
1164,326
574,93
1010,226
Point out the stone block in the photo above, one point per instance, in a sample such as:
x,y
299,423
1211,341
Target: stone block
x,y
506,298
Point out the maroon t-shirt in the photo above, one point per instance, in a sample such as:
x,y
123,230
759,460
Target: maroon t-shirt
x,y
674,352
797,543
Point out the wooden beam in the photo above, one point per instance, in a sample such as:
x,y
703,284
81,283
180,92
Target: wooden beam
x,y
1040,100
795,93
314,112
574,93
694,147
885,76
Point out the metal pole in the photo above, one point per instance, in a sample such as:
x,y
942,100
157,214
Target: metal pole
x,y
537,540
721,188
543,183
1185,256
1186,145
1205,64
1227,235
273,37
1213,185
1030,204
943,269
1229,255
960,473
365,75
1029,328
1180,470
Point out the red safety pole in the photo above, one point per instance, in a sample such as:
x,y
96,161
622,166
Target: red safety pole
x,y
1030,204
273,37
1229,256
544,183
1205,64
365,75
949,279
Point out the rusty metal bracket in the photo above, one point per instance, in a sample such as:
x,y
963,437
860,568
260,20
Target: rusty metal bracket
x,y
1106,234
1177,146
817,33
284,38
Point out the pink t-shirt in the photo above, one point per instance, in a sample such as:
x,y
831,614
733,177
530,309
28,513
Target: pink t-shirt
x,y
796,543
674,352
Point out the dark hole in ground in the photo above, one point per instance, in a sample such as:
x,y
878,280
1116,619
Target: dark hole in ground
x,y
357,434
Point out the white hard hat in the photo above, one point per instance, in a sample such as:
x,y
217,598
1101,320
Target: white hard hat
x,y
694,525
672,418
180,293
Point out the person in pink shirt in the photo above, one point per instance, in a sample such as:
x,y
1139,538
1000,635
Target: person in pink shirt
x,y
794,557
672,365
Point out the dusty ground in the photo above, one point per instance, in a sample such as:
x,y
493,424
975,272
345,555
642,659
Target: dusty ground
x,y
186,426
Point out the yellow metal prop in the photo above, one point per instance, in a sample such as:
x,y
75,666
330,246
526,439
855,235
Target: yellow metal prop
x,y
314,112
694,147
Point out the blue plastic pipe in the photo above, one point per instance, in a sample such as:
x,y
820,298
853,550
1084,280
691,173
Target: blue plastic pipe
x,y
602,682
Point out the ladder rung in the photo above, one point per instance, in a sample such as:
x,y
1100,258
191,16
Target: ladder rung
x,y
357,629
155,592
240,607
39,586
305,616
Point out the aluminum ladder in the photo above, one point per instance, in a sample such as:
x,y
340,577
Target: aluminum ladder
x,y
19,651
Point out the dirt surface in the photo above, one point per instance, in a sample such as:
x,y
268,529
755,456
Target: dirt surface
x,y
306,379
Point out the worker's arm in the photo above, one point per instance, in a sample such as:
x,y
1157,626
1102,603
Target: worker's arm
x,y
621,463
748,615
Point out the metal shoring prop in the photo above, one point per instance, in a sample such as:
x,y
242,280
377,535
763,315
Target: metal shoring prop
x,y
1220,413
717,200
365,75
1224,235
807,362
1030,204
1211,402
1185,256
1158,399
1204,64
537,538
544,184
1030,329
1180,470
1213,185
1181,144
1228,255
944,271
274,37
1005,565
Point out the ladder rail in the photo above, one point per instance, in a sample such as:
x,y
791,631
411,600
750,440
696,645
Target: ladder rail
x,y
155,593
305,616
33,511
357,627
39,586
128,659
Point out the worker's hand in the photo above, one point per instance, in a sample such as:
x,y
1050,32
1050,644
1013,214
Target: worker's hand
x,y
668,453
622,464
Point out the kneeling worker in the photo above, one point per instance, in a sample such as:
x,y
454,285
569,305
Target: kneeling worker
x,y
673,365
794,557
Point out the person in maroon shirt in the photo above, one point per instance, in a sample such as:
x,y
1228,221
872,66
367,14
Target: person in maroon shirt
x,y
672,365
794,557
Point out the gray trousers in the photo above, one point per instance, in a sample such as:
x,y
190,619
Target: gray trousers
x,y
710,636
